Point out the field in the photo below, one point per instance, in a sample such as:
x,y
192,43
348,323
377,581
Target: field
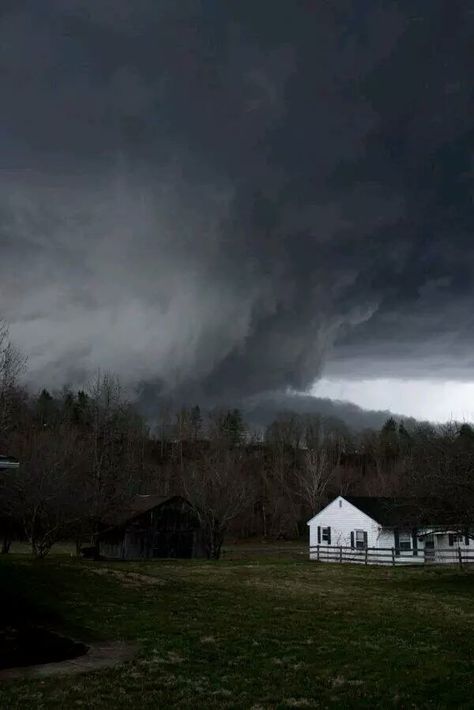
x,y
251,632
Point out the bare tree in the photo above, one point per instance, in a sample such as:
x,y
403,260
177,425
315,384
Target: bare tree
x,y
164,424
287,430
278,502
218,490
285,441
43,497
440,471
12,365
111,453
320,461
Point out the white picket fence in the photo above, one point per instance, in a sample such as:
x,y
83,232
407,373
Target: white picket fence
x,y
391,555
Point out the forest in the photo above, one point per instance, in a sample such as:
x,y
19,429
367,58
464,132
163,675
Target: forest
x,y
85,453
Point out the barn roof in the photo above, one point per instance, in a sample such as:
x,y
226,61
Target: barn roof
x,y
138,505
392,512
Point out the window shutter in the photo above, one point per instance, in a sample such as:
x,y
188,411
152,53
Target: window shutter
x,y
396,536
450,539
414,534
352,539
466,537
365,539
319,534
329,536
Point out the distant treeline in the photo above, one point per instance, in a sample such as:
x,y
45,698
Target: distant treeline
x,y
85,453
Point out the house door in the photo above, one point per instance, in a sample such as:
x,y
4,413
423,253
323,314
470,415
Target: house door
x,y
429,548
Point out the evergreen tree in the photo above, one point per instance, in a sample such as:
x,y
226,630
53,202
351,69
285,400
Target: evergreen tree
x,y
82,409
404,438
466,437
232,427
46,410
389,440
196,423
466,432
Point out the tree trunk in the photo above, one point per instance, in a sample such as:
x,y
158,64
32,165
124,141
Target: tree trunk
x,y
6,544
41,547
216,538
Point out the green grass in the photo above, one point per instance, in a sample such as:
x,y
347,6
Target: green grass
x,y
256,633
61,548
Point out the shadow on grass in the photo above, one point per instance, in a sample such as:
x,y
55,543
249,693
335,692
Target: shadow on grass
x,y
27,593
440,581
27,617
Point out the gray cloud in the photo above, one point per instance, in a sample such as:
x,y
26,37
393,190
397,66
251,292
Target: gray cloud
x,y
221,200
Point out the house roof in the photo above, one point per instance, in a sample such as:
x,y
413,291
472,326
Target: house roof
x,y
393,512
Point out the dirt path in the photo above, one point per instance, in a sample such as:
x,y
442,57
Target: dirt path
x,y
104,655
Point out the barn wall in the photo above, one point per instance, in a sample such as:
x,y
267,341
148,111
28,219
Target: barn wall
x,y
133,547
125,546
110,550
170,529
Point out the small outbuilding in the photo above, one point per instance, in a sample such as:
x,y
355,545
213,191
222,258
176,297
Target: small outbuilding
x,y
393,530
8,462
153,527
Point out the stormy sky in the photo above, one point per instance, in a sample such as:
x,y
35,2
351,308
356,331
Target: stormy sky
x,y
219,200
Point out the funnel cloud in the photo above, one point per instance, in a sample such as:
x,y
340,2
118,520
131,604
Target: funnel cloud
x,y
223,200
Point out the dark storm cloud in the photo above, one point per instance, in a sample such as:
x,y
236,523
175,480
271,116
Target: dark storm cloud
x,y
220,198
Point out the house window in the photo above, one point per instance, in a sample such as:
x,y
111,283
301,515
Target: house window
x,y
326,535
360,539
404,541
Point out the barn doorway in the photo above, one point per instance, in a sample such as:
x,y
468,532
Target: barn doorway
x,y
176,543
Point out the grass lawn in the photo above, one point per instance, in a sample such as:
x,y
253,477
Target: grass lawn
x,y
252,633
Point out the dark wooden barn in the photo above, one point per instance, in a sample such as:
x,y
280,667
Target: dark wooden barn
x,y
153,527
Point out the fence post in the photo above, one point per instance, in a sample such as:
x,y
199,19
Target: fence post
x,y
317,554
460,556
340,553
393,555
366,553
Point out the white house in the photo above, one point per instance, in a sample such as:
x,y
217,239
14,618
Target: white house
x,y
390,530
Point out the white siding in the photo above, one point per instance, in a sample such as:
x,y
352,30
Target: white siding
x,y
449,554
343,518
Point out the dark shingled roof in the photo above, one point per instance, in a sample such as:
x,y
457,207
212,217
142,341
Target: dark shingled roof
x,y
395,512
138,505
